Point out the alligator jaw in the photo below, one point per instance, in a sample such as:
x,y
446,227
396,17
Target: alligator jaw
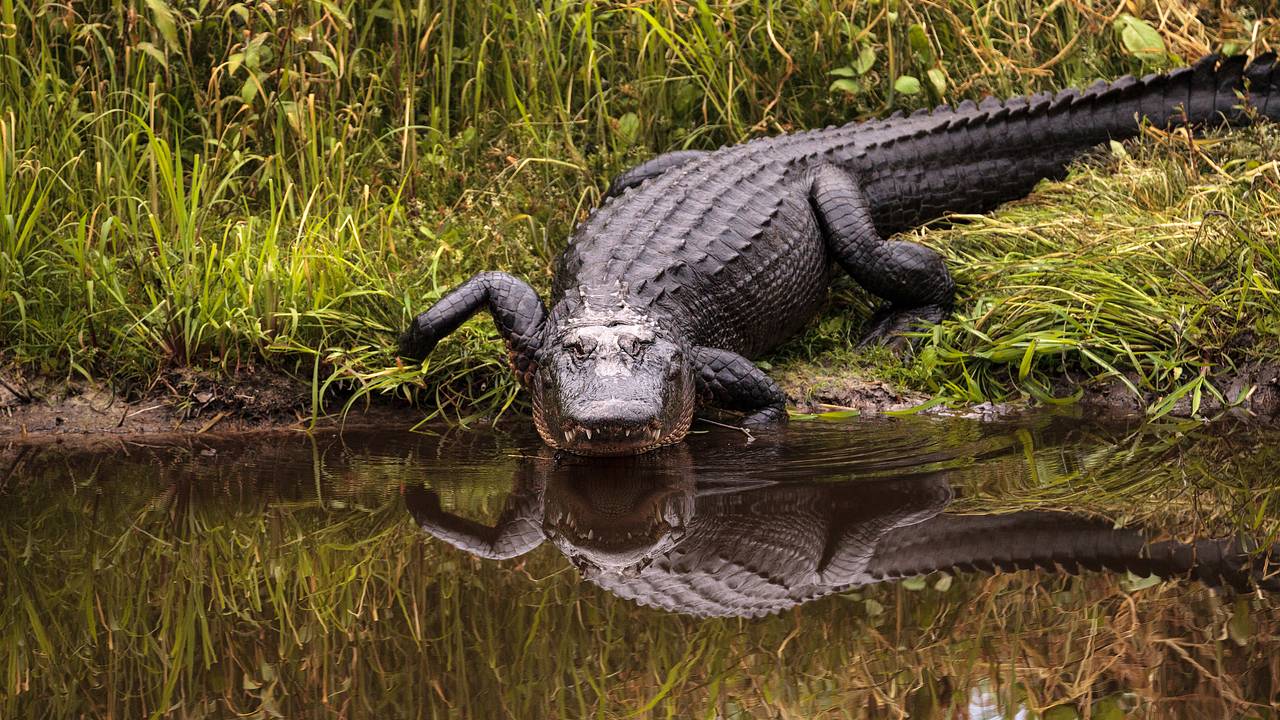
x,y
607,440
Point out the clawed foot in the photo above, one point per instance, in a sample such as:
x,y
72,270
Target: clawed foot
x,y
771,416
416,343
890,325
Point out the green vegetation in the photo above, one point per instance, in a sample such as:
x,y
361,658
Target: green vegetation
x,y
284,578
283,185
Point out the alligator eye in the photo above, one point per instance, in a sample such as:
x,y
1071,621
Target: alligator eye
x,y
630,344
582,347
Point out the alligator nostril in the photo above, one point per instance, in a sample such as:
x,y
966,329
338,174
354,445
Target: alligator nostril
x,y
630,345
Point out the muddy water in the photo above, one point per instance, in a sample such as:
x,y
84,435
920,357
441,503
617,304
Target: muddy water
x,y
865,569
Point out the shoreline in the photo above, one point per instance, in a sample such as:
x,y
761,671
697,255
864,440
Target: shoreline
x,y
190,404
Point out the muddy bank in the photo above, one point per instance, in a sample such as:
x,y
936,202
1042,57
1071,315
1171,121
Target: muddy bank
x,y
181,402
189,402
1251,393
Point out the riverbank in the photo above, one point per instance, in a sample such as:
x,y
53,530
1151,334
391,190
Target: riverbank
x,y
188,403
1141,285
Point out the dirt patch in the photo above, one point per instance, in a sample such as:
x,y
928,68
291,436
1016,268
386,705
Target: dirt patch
x,y
812,388
185,402
1252,392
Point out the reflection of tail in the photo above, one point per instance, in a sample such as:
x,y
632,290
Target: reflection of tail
x,y
1050,540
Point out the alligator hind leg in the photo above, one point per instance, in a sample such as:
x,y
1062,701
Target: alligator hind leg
x,y
516,308
651,169
734,383
909,275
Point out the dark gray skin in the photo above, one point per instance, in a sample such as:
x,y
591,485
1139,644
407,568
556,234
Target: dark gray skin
x,y
698,262
648,531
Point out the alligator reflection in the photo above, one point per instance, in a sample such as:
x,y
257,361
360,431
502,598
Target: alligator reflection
x,y
723,541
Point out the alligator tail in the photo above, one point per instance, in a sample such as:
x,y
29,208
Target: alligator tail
x,y
975,156
1050,540
1212,91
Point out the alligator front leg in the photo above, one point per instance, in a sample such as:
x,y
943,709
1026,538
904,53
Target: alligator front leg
x,y
651,169
912,277
733,382
516,308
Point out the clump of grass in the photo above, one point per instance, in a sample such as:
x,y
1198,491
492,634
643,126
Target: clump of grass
x,y
1159,267
285,185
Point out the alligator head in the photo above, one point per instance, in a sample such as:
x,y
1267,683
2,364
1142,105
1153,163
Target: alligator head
x,y
612,380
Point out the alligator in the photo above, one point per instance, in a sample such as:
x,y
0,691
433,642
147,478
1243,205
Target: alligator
x,y
709,544
698,262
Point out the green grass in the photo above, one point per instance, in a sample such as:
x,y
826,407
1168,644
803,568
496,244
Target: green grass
x,y
223,186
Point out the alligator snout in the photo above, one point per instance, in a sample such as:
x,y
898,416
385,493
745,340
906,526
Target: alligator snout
x,y
623,414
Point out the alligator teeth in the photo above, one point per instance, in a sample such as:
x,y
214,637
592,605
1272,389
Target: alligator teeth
x,y
588,432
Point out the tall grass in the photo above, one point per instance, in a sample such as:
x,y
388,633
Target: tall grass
x,y
223,185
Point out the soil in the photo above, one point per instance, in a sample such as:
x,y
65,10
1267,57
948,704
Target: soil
x,y
183,402
812,388
1250,393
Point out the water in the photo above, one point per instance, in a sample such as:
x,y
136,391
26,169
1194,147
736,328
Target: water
x,y
286,575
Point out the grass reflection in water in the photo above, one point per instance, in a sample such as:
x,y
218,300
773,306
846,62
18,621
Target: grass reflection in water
x,y
283,576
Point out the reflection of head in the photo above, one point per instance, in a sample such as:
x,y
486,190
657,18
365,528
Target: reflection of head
x,y
617,514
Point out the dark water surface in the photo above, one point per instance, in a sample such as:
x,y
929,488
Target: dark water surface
x,y
471,573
